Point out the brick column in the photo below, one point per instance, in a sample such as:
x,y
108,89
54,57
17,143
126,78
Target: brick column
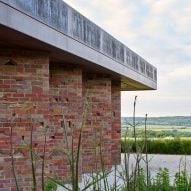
x,y
24,103
97,132
116,123
66,105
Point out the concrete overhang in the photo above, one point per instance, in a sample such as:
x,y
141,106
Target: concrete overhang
x,y
55,27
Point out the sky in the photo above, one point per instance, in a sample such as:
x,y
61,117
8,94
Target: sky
x,y
160,32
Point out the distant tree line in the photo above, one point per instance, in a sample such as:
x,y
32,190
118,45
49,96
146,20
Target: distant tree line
x,y
174,120
157,134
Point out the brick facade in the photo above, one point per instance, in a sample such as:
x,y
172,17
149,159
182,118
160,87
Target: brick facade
x,y
38,94
116,123
97,132
24,95
66,107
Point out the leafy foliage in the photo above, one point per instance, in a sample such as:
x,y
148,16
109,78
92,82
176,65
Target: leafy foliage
x,y
181,181
50,185
160,146
162,180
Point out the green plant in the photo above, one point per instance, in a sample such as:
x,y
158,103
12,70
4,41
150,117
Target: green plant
x,y
162,180
50,185
181,181
146,151
12,152
32,157
142,180
73,156
43,157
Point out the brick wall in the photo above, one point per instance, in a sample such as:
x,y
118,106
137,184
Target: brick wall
x,y
66,99
97,132
24,85
116,123
36,95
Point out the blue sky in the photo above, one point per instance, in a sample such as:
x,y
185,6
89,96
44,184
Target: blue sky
x,y
160,31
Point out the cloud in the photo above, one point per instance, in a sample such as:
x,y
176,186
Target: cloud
x,y
158,30
181,72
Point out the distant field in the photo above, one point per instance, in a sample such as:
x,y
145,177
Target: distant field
x,y
169,121
165,127
160,127
177,126
154,131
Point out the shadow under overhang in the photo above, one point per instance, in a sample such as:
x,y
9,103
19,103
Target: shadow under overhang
x,y
13,39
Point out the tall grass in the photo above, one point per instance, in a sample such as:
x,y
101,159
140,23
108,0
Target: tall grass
x,y
12,153
133,178
97,179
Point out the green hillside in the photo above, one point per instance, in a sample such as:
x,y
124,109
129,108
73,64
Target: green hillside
x,y
172,121
177,126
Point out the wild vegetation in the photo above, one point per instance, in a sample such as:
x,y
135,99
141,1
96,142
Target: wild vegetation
x,y
142,179
159,132
161,145
132,178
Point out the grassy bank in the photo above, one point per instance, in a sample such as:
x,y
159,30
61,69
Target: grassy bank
x,y
160,145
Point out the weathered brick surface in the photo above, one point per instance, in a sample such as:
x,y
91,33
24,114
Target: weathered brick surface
x,y
66,100
24,85
37,94
97,132
116,123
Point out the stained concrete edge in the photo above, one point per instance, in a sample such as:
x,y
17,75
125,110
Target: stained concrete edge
x,y
16,20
